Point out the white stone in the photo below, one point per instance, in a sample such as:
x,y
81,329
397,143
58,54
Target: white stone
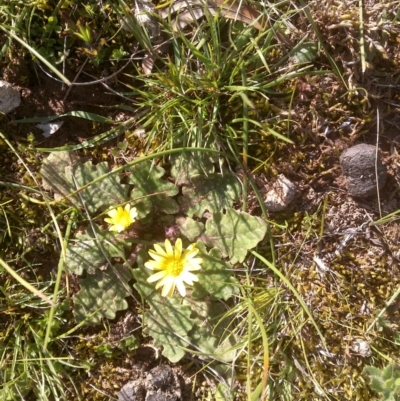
x,y
361,347
50,128
9,97
281,195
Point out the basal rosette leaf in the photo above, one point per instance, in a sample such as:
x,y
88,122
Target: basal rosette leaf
x,y
188,227
104,193
102,294
234,233
89,251
167,321
215,276
151,192
187,165
212,332
141,275
213,192
53,173
177,323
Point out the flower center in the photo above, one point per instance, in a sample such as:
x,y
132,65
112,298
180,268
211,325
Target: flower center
x,y
124,219
174,267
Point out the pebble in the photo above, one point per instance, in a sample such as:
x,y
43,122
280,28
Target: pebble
x,y
9,97
358,166
361,347
280,195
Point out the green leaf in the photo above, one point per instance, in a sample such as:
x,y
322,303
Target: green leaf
x,y
215,276
384,381
102,295
305,52
234,233
151,192
80,114
129,343
168,322
389,372
189,228
176,323
210,333
377,384
372,371
103,193
213,193
223,393
187,165
390,396
141,275
53,173
86,254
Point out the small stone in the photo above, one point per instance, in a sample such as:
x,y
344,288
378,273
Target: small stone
x,y
161,376
158,396
132,391
358,166
361,347
9,97
281,195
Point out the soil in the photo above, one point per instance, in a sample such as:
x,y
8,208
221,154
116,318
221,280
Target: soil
x,y
345,256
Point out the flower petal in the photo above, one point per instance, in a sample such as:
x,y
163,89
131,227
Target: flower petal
x,y
157,276
112,213
178,249
189,278
159,250
156,256
180,287
133,213
168,284
193,264
168,248
173,266
153,265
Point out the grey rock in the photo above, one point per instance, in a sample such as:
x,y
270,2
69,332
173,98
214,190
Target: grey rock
x,y
9,97
361,347
159,396
161,376
280,195
132,391
160,384
358,166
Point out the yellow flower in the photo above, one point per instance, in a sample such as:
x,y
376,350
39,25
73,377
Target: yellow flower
x,y
174,267
120,219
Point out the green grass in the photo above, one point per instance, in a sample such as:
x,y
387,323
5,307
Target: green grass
x,y
223,95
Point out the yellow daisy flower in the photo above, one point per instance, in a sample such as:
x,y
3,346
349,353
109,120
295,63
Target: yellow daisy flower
x,y
120,219
174,267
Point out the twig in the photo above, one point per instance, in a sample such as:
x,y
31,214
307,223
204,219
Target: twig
x,y
376,162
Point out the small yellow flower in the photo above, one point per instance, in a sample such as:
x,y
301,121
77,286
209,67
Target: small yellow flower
x,y
120,219
174,267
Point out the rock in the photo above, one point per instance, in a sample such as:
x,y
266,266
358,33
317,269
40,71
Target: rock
x,y
132,391
9,97
160,384
358,166
361,347
161,376
281,195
